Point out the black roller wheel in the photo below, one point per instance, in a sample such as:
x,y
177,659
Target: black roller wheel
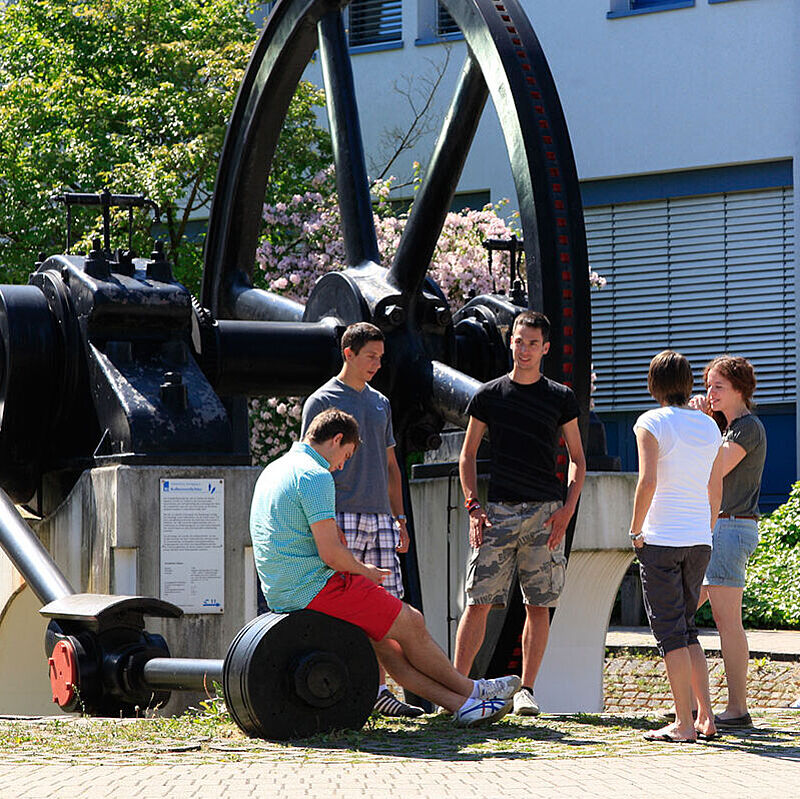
x,y
298,674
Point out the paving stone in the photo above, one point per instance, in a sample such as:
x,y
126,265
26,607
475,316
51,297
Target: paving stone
x,y
641,683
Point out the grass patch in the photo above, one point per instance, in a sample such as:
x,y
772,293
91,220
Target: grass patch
x,y
206,737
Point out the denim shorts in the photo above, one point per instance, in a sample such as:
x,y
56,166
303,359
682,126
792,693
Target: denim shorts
x,y
734,541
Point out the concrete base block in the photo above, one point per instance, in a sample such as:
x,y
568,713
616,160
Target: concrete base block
x,y
24,679
106,539
571,676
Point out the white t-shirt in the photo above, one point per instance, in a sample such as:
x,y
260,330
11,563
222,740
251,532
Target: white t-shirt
x,y
688,442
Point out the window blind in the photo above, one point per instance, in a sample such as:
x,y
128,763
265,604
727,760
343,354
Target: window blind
x,y
375,21
702,275
445,24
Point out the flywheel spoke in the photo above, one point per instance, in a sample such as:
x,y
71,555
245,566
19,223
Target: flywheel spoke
x,y
417,244
361,243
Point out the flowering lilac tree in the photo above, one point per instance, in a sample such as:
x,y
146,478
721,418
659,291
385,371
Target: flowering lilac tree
x,y
302,240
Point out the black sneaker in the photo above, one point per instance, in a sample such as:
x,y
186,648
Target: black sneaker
x,y
387,704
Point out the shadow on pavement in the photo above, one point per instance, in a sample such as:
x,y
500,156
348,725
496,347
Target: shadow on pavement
x,y
762,740
436,738
563,736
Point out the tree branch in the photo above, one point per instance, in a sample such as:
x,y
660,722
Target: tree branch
x,y
419,93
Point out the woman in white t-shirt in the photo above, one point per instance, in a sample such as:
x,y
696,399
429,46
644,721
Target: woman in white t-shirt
x,y
677,500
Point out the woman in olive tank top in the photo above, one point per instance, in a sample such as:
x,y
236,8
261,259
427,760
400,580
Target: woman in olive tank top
x,y
730,382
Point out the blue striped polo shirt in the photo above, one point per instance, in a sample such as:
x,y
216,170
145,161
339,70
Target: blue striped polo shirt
x,y
291,494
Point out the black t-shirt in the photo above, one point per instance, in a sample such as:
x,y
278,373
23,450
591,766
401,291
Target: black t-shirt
x,y
524,427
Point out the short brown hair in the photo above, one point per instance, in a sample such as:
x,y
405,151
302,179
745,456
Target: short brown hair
x,y
738,371
328,424
670,379
533,319
361,333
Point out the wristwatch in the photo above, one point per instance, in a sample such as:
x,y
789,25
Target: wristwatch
x,y
401,517
635,536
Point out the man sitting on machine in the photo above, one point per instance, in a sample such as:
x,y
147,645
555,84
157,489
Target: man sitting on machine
x,y
303,563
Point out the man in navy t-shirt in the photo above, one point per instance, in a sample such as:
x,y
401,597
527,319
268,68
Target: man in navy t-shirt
x,y
523,525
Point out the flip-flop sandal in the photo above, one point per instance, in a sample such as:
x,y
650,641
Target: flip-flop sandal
x,y
667,738
701,736
736,722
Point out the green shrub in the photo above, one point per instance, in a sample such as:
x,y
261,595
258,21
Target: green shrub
x,y
772,594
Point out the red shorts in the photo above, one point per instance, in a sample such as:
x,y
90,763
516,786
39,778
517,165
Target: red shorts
x,y
354,598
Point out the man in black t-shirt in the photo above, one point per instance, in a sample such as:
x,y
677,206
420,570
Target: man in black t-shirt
x,y
522,528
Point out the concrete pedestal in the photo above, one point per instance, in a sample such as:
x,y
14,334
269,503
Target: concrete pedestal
x,y
105,537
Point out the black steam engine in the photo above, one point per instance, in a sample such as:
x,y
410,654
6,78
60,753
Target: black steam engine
x,y
105,359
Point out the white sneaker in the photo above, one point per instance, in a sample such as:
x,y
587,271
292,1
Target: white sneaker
x,y
525,703
499,688
481,711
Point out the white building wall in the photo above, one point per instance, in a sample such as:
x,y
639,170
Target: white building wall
x,y
698,86
711,84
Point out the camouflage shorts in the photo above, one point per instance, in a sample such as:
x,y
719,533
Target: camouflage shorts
x,y
517,543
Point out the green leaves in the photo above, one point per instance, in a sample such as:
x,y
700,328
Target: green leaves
x,y
772,594
134,95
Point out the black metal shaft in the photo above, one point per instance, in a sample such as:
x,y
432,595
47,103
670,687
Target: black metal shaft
x,y
361,243
264,306
29,556
182,674
432,203
275,358
101,198
452,391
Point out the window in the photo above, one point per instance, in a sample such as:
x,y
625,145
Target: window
x,y
625,8
445,24
375,22
703,275
472,200
435,23
462,201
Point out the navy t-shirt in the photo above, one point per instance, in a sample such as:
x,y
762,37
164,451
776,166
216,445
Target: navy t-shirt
x,y
524,423
362,486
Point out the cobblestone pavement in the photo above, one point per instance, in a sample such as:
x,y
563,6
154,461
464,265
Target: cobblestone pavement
x,y
562,756
637,683
777,644
729,774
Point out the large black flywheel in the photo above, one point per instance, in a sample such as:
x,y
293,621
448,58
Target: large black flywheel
x,y
424,370
504,59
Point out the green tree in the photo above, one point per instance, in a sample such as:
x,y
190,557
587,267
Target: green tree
x,y
134,95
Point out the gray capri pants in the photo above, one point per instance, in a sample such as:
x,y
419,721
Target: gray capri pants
x,y
671,581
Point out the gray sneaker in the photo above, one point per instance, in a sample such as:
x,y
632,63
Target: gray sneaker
x,y
525,703
499,688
